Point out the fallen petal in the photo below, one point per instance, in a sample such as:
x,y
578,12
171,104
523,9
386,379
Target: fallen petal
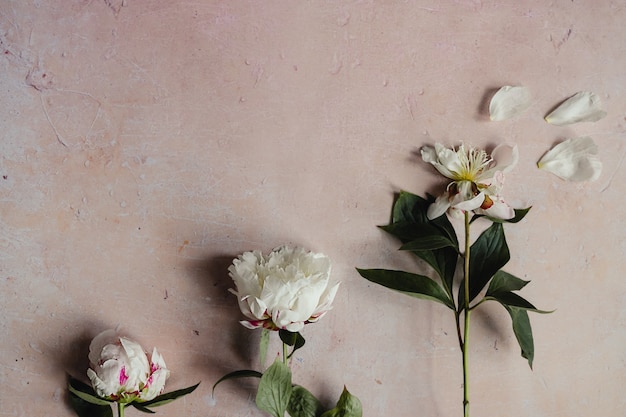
x,y
508,102
573,160
581,107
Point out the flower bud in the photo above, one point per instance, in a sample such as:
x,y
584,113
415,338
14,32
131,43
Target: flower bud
x,y
120,370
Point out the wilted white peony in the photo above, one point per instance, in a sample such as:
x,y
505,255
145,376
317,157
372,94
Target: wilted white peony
x,y
120,370
286,289
477,179
573,160
581,107
509,101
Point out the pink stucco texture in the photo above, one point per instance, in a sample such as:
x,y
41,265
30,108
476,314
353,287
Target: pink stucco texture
x,y
146,143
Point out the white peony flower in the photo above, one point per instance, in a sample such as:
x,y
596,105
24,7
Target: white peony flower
x,y
508,102
581,107
120,370
284,290
477,179
573,160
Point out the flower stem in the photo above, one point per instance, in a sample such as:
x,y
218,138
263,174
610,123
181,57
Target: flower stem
x,y
285,353
120,409
466,322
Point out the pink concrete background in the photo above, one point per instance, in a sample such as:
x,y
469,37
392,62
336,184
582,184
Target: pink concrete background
x,y
144,144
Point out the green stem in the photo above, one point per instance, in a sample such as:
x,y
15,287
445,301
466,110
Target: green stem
x,y
120,409
466,323
285,353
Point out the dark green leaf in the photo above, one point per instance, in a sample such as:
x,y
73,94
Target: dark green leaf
x,y
303,404
507,298
141,408
444,262
503,281
407,232
86,393
429,243
275,389
409,220
87,409
487,255
410,223
291,339
415,285
409,208
523,332
347,406
245,373
446,227
170,396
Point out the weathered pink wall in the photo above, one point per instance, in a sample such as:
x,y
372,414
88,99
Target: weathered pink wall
x,y
144,144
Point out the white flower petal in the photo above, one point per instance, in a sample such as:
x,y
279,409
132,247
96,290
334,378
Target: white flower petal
x,y
471,204
508,102
505,157
499,209
573,160
441,158
156,384
286,287
157,361
254,324
326,301
581,107
439,207
108,384
107,337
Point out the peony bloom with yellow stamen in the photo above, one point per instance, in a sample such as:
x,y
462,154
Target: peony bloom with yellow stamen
x,y
477,179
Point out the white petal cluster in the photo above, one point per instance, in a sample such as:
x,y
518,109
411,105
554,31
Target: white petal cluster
x,y
583,106
477,179
508,102
120,370
285,289
573,160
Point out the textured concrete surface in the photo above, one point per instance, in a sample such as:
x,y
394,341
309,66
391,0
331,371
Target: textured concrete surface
x,y
144,144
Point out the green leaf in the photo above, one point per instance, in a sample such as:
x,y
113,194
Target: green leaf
x,y
169,397
444,262
410,208
263,344
294,339
86,402
488,254
523,332
275,389
86,393
245,373
347,406
410,222
446,227
426,242
141,408
303,404
415,285
503,281
86,409
510,299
